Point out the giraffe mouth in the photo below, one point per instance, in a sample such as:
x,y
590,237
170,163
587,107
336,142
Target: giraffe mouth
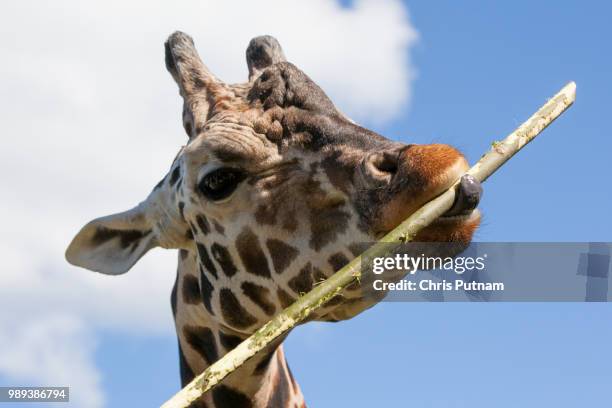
x,y
467,194
461,220
467,197
463,211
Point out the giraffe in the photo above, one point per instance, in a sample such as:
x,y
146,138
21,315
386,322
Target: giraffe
x,y
275,190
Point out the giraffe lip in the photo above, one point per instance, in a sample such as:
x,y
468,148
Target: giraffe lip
x,y
442,220
464,217
467,197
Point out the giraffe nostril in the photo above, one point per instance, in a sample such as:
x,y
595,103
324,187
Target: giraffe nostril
x,y
386,163
381,166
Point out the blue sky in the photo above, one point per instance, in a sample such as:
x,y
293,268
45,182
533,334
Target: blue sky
x,y
483,68
480,69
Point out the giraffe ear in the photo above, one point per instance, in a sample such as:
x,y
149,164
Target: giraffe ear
x,y
113,244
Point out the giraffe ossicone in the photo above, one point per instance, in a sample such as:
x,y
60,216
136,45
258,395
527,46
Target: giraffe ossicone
x,y
274,191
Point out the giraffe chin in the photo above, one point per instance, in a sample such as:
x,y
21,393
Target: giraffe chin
x,y
452,228
447,228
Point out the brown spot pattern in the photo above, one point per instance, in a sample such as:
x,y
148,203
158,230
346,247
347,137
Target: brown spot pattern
x,y
281,253
224,396
233,312
260,295
335,301
218,227
338,260
284,298
191,290
203,224
183,253
199,403
357,248
206,261
224,259
206,289
325,226
251,254
317,275
267,214
229,341
302,283
339,175
263,364
202,340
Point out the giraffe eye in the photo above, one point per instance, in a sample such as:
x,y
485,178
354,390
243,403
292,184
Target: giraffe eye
x,y
220,183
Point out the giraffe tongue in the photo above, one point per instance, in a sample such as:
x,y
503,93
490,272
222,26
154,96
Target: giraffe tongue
x,y
467,198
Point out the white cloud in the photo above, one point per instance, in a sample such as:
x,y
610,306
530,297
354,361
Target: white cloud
x,y
91,121
55,350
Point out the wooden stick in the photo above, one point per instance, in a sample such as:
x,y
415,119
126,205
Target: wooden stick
x,y
320,294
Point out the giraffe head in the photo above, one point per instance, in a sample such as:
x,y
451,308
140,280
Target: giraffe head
x,y
274,181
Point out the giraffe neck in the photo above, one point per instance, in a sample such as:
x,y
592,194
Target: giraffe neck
x,y
263,381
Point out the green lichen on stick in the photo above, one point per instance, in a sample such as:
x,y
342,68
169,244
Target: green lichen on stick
x,y
294,314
